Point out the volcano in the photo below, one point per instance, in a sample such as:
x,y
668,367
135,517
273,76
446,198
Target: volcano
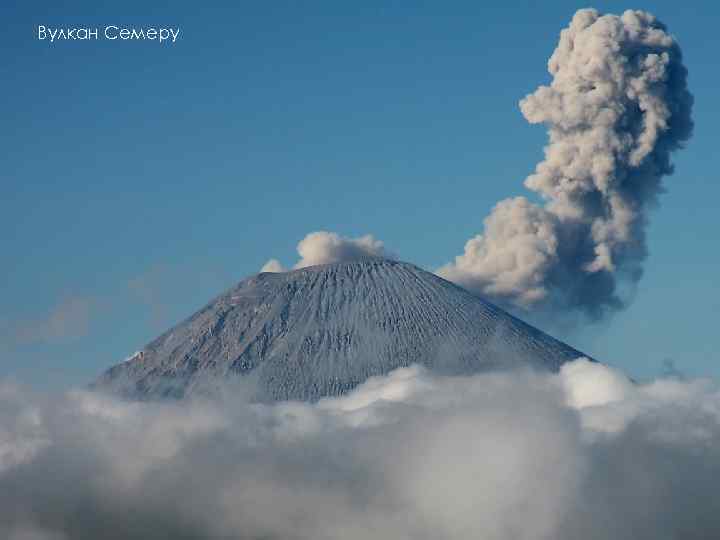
x,y
322,330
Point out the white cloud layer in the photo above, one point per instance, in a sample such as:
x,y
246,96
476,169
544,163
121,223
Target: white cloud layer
x,y
581,454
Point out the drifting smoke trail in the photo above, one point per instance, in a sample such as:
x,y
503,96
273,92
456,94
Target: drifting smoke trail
x,y
617,107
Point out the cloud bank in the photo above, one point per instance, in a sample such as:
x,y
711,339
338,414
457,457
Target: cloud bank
x,y
580,454
324,247
618,105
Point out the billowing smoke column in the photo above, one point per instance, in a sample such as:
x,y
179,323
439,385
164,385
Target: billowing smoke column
x,y
617,107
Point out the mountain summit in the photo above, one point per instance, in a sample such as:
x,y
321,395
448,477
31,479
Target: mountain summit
x,y
322,330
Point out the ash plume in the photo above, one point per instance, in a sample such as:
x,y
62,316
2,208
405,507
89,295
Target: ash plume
x,y
617,107
322,247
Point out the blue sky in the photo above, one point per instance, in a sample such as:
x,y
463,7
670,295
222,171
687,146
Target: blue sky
x,y
139,180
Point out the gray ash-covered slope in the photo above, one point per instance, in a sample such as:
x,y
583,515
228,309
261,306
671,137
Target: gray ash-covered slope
x,y
322,330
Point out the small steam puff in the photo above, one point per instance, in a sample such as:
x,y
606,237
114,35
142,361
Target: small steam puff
x,y
323,247
617,107
411,455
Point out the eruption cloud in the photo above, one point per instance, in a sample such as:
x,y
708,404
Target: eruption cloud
x,y
322,247
617,107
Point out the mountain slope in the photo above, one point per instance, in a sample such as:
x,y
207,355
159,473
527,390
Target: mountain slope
x,y
322,330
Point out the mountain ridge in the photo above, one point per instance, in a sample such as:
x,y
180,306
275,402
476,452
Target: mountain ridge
x,y
322,330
